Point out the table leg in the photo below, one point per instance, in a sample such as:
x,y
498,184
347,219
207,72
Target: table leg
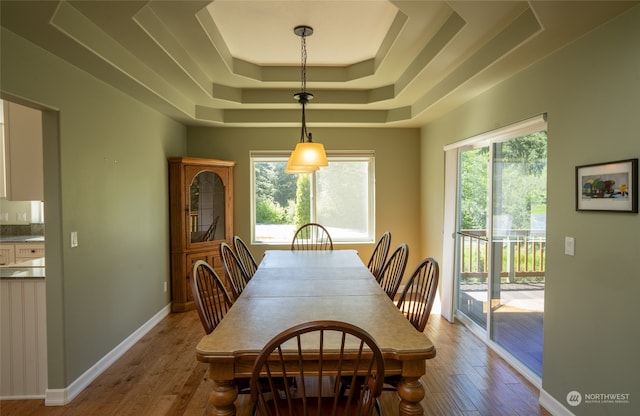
x,y
411,394
222,398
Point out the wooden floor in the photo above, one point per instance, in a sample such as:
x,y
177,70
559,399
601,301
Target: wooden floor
x,y
160,376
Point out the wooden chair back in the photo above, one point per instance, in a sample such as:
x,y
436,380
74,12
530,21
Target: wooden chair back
x,y
379,255
317,387
234,269
247,260
211,298
418,295
312,236
393,270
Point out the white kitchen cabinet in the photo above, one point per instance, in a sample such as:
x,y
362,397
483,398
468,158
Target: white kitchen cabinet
x,y
23,338
11,253
28,251
23,153
7,254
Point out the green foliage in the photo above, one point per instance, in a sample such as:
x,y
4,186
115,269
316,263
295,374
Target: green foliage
x,y
272,183
264,180
475,164
270,212
303,200
521,166
520,187
275,193
530,152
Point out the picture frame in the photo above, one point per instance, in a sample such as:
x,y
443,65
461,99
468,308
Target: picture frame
x,y
610,186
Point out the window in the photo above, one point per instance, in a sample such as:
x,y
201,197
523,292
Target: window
x,y
339,196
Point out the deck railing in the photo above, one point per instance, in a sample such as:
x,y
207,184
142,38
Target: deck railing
x,y
521,254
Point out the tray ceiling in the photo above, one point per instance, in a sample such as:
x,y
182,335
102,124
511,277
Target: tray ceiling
x,y
370,62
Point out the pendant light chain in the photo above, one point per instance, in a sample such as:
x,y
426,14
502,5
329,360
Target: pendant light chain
x,y
303,97
303,63
303,78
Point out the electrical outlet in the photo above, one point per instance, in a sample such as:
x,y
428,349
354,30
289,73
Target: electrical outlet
x,y
164,286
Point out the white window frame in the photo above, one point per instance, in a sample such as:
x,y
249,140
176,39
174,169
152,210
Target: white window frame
x,y
332,156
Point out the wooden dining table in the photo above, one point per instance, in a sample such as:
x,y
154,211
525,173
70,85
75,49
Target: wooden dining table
x,y
291,287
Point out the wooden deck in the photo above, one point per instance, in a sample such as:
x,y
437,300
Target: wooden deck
x,y
159,376
518,319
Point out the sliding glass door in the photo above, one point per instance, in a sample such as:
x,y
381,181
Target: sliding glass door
x,y
519,240
473,250
500,243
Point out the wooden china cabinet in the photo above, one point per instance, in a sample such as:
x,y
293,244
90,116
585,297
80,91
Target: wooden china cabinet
x,y
201,212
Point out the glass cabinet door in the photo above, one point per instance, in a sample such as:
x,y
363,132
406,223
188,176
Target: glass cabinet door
x,y
206,207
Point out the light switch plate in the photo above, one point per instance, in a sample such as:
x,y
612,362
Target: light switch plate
x,y
569,246
74,239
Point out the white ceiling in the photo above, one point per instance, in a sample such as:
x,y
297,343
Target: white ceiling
x,y
370,62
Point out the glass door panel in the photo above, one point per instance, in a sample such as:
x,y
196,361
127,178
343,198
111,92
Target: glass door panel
x,y
472,264
518,242
206,207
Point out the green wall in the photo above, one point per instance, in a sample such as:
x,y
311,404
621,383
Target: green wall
x,y
591,93
397,190
106,177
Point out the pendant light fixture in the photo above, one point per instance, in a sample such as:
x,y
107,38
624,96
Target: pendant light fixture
x,y
307,156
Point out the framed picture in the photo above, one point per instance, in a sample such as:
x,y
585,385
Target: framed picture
x,y
611,186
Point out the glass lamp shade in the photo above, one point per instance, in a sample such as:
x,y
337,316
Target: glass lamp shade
x,y
309,153
299,168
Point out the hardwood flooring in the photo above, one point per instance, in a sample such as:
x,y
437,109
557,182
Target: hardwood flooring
x,y
159,376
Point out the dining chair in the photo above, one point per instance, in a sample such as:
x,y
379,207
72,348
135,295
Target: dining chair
x,y
234,269
418,296
312,236
379,255
316,391
393,270
212,302
247,260
211,298
416,301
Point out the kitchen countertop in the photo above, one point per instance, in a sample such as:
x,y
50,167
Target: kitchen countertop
x,y
21,239
30,269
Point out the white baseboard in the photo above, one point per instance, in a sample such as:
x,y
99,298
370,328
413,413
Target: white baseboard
x,y
23,397
60,397
554,407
